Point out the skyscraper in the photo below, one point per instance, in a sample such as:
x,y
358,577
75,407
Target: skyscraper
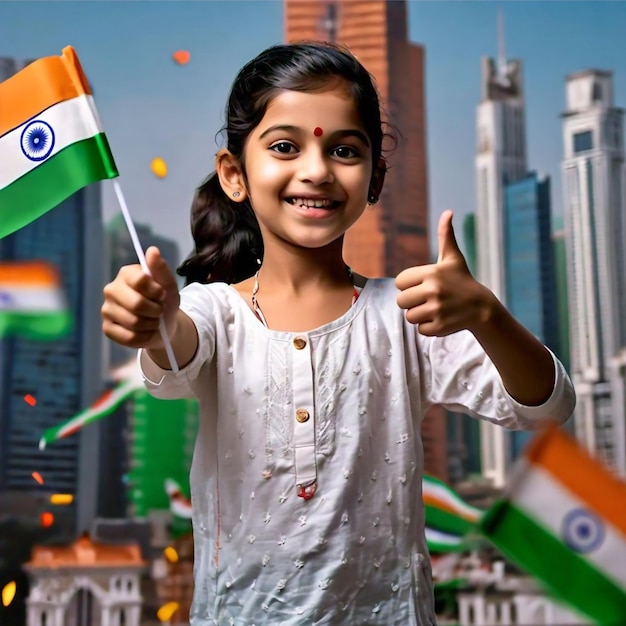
x,y
66,375
595,230
529,268
393,234
500,159
118,431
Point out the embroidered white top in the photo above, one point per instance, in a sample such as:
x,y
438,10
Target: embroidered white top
x,y
341,404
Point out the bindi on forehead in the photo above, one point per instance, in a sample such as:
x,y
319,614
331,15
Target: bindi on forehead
x,y
318,132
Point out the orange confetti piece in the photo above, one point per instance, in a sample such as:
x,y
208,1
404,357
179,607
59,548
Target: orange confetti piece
x,y
8,593
166,612
30,400
47,519
181,57
170,554
37,476
61,498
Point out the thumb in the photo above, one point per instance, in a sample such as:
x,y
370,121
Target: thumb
x,y
448,247
159,269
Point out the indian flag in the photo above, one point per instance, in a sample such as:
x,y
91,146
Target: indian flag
x,y
445,543
103,406
32,304
564,521
51,140
445,511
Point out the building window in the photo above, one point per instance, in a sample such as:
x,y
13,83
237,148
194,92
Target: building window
x,y
583,141
122,617
44,619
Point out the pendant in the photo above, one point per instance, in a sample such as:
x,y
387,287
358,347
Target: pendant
x,y
307,491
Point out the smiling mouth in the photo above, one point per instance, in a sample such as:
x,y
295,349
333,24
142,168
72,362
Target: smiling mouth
x,y
309,203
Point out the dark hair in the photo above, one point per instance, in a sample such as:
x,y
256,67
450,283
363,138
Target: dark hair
x,y
226,233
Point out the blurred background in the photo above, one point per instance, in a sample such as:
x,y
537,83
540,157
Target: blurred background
x,y
510,114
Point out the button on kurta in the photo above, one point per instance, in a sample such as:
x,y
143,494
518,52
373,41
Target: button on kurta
x,y
299,343
302,415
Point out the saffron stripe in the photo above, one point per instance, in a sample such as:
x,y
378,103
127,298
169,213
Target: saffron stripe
x,y
40,85
583,475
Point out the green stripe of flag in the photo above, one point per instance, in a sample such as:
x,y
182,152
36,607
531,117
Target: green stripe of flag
x,y
567,575
35,326
56,179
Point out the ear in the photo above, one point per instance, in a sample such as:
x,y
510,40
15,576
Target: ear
x,y
378,180
230,175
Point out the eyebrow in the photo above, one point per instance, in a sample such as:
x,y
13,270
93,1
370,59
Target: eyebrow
x,y
342,134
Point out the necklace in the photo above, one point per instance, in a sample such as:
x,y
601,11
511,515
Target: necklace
x,y
255,289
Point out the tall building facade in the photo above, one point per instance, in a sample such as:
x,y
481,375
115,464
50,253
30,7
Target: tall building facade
x,y
500,159
595,230
529,269
65,375
393,234
117,433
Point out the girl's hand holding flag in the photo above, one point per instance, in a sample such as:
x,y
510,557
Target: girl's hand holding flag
x,y
135,302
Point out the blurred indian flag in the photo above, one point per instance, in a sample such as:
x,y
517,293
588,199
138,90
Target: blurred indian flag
x,y
32,304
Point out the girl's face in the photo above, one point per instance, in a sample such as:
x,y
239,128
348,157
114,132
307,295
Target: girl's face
x,y
309,165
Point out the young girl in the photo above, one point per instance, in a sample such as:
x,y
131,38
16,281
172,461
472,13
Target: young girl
x,y
313,380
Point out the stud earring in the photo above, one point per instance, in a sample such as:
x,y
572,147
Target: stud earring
x,y
236,194
372,199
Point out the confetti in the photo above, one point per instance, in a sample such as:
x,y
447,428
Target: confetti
x,y
159,167
166,612
47,519
61,498
170,554
30,400
37,476
181,57
8,593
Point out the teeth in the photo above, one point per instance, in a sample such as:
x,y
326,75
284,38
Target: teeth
x,y
312,204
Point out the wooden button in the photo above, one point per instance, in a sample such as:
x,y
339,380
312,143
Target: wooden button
x,y
299,343
302,415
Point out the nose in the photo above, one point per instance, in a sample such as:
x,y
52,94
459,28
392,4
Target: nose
x,y
315,168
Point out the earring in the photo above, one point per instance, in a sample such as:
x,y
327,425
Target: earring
x,y
372,199
236,194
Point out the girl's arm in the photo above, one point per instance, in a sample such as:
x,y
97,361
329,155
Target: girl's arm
x,y
184,341
444,298
523,362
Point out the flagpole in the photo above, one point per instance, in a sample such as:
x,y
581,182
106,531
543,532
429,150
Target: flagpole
x,y
142,260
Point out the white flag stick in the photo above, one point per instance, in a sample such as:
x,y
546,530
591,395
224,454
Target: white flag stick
x,y
142,260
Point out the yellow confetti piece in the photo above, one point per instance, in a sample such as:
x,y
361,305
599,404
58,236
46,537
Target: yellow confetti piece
x,y
61,498
159,167
170,554
8,593
166,612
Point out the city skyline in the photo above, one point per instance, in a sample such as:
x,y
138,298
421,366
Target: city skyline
x,y
152,107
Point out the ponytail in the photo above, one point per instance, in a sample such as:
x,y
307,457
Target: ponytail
x,y
227,238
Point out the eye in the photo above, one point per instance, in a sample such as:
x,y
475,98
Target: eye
x,y
283,147
346,152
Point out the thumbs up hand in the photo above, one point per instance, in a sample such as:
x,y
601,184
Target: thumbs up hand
x,y
444,297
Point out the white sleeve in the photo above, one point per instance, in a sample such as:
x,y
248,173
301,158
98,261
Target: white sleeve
x,y
459,375
198,302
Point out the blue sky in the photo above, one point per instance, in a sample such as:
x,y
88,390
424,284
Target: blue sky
x,y
152,107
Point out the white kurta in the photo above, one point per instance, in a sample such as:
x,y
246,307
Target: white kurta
x,y
341,404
